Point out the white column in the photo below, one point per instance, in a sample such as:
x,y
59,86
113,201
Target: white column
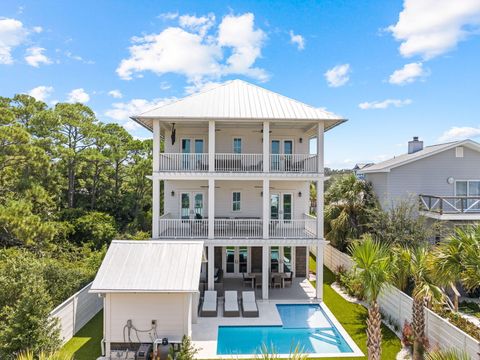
x,y
211,146
320,162
320,147
319,185
156,145
266,207
265,271
319,270
211,267
266,146
211,208
155,206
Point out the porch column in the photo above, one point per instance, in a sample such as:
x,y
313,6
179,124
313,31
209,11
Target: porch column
x,y
156,145
320,147
211,146
319,270
155,206
211,267
265,271
211,208
266,207
266,146
320,164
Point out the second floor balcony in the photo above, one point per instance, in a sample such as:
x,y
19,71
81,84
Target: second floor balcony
x,y
451,207
231,162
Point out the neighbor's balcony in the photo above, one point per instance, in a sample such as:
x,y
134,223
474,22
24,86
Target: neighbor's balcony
x,y
296,163
236,228
450,205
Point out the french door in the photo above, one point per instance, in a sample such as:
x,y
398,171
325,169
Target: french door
x,y
281,207
191,146
281,151
236,260
281,259
192,205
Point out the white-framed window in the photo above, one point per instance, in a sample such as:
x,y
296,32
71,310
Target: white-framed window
x,y
237,145
467,188
236,200
459,152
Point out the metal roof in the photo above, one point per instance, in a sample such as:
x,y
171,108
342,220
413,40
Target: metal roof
x,y
150,266
387,165
238,100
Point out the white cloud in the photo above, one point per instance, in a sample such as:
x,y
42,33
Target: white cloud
x,y
338,75
41,93
433,27
115,94
35,57
460,133
297,39
168,16
12,34
78,58
407,74
384,104
196,51
37,29
165,85
198,86
78,95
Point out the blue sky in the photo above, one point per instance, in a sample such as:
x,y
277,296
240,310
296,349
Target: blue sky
x,y
394,69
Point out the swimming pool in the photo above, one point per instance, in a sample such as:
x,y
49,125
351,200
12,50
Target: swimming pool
x,y
304,325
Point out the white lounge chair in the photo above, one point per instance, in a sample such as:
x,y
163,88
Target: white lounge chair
x,y
230,305
209,305
249,304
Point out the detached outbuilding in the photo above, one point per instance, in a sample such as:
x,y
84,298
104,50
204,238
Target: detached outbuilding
x,y
150,291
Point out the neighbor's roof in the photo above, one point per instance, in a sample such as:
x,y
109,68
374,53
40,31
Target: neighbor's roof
x,y
387,165
150,266
237,100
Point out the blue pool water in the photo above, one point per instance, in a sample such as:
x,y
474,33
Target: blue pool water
x,y
305,325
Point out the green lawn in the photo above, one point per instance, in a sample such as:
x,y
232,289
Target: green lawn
x,y
85,345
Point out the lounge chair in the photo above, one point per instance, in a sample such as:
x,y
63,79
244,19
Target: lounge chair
x,y
230,304
249,304
209,305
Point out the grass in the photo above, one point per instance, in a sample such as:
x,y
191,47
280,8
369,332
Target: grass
x,y
85,345
470,308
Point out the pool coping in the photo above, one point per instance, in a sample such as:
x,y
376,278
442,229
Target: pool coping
x,y
356,352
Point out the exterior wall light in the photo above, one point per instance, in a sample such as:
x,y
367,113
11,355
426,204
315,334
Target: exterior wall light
x,y
300,140
299,194
172,193
450,180
261,193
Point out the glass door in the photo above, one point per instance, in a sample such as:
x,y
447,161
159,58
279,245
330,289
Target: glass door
x,y
185,206
242,259
274,259
236,261
288,152
287,206
191,203
287,259
274,206
186,151
198,206
229,260
275,155
474,190
198,157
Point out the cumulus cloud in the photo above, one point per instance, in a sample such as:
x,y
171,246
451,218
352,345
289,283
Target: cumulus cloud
x,y
384,104
168,16
78,96
338,75
297,39
12,34
460,133
407,74
41,93
115,94
195,50
35,57
433,27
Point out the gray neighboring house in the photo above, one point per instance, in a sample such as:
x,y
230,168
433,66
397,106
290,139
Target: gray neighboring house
x,y
444,178
358,168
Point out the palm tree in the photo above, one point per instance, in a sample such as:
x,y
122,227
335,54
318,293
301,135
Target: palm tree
x,y
449,354
372,260
424,292
456,258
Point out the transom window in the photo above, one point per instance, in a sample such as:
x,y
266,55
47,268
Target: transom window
x,y
236,201
237,145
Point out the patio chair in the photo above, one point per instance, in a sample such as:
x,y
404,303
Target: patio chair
x,y
276,281
230,304
209,306
258,281
247,280
249,304
288,280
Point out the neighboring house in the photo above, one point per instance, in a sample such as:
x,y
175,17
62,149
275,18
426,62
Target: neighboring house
x,y
358,168
443,178
236,170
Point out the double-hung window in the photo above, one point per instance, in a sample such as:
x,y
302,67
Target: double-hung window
x,y
237,145
236,201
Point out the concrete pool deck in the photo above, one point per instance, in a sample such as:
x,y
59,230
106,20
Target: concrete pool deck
x,y
205,331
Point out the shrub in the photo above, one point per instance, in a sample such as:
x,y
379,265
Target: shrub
x,y
96,227
352,284
187,350
460,322
407,334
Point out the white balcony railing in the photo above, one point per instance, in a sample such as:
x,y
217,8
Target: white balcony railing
x,y
239,162
293,163
183,162
298,228
238,228
183,228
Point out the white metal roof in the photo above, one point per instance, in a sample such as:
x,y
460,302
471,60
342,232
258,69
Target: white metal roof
x,y
387,165
150,266
238,100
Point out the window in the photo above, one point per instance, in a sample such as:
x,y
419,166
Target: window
x,y
237,146
470,188
459,151
236,201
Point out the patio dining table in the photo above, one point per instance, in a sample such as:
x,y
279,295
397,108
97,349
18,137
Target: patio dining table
x,y
255,275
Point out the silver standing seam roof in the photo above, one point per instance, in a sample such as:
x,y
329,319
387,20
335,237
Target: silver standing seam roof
x,y
238,100
150,266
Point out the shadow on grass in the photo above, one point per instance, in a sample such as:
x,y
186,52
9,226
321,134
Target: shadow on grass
x,y
85,345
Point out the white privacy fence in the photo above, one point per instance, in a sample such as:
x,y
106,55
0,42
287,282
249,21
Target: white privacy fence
x,y
76,311
398,306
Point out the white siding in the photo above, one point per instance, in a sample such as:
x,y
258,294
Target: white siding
x,y
380,186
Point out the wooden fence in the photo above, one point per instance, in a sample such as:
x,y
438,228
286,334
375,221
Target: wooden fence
x,y
76,311
398,306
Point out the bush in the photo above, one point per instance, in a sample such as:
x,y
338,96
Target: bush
x,y
96,227
352,284
460,322
407,334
